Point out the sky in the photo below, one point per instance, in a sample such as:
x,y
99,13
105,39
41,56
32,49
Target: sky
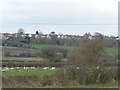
x,y
62,16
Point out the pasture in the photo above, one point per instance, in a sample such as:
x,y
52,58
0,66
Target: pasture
x,y
107,85
109,51
36,71
49,74
23,58
40,72
46,76
112,51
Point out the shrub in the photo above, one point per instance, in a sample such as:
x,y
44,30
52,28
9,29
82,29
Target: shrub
x,y
52,54
25,55
7,54
90,53
85,76
62,77
23,81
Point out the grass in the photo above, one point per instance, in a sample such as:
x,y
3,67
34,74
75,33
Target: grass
x,y
41,72
107,85
43,46
110,51
112,85
22,58
37,71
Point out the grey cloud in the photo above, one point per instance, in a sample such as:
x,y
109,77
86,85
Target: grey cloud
x,y
61,12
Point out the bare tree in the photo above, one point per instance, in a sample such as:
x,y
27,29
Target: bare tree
x,y
88,54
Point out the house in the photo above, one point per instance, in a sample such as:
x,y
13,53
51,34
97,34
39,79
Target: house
x,y
87,36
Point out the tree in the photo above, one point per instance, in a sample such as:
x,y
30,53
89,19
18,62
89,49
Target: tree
x,y
19,37
37,32
93,50
88,54
53,38
20,31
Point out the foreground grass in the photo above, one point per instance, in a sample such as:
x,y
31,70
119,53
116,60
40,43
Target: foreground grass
x,y
41,72
107,85
89,86
38,71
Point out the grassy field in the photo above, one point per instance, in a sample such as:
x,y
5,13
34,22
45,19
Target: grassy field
x,y
37,71
41,72
107,85
110,51
22,58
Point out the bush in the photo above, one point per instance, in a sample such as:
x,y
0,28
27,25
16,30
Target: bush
x,y
62,77
52,54
64,52
22,81
98,76
25,55
85,76
90,53
7,54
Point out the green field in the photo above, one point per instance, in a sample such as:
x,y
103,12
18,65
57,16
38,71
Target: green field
x,y
110,51
41,72
22,58
37,71
107,85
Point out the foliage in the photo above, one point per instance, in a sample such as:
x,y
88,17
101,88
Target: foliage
x,y
85,76
7,54
68,76
52,54
90,54
110,51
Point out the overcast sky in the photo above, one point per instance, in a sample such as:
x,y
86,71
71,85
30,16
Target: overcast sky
x,y
61,16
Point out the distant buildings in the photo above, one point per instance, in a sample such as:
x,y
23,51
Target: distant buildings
x,y
86,36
